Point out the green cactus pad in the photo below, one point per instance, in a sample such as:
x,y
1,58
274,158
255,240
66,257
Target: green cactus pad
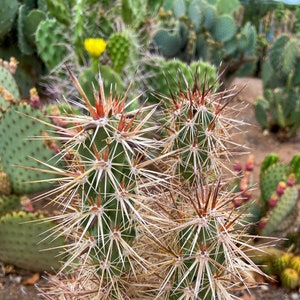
x,y
261,107
179,8
168,43
23,242
60,10
224,28
23,44
195,14
282,211
276,52
269,160
8,12
52,48
8,83
17,149
9,203
31,23
270,178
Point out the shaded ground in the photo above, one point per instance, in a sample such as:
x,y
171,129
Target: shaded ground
x,y
259,145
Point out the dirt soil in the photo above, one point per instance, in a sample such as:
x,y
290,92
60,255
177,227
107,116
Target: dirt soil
x,y
258,143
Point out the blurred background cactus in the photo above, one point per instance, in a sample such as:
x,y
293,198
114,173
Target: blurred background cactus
x,y
279,110
276,211
206,30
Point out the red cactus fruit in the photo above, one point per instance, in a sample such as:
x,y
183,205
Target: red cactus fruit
x,y
250,163
273,200
280,188
291,181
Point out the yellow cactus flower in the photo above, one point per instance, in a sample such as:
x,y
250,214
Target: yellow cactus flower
x,y
95,46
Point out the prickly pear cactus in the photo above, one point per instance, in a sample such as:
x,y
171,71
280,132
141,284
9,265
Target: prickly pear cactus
x,y
279,194
8,12
9,90
52,48
281,217
20,154
161,76
24,243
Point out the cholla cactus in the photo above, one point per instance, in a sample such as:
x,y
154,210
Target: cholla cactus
x,y
142,200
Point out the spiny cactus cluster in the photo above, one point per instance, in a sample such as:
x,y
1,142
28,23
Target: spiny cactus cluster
x,y
199,29
159,75
142,199
283,266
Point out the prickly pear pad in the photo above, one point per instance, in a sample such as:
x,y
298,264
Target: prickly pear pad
x,y
17,149
23,243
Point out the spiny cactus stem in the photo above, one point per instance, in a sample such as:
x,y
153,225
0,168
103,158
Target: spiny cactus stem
x,y
76,83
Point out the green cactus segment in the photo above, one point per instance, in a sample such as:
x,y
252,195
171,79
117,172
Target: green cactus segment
x,y
195,14
283,209
269,160
17,149
23,242
261,107
168,43
60,10
9,203
24,45
164,76
179,8
52,48
224,28
8,83
31,23
270,177
8,12
5,185
289,278
111,80
227,6
118,48
277,53
295,165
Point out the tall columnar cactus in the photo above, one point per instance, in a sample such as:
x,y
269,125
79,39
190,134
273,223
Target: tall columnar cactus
x,y
279,194
205,30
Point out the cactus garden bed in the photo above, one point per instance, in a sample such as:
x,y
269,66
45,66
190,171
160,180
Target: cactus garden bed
x,y
260,144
